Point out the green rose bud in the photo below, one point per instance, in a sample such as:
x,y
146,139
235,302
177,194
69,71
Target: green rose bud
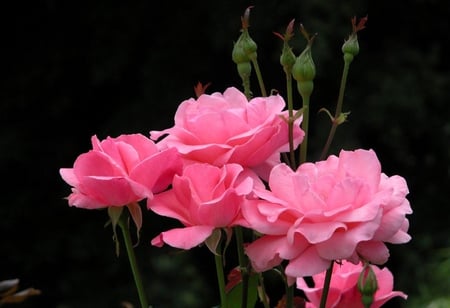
x,y
350,47
238,54
287,58
367,284
249,45
304,68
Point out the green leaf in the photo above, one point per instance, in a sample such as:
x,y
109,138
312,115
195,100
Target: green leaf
x,y
234,297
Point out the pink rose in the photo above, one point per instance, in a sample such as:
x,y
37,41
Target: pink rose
x,y
119,171
344,293
203,198
226,128
342,208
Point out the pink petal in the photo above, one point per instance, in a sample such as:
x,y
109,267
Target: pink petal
x,y
157,171
317,232
401,236
307,263
167,204
184,238
143,146
362,164
347,192
68,175
80,200
263,253
268,251
373,251
96,164
343,243
391,223
282,183
222,212
111,190
251,209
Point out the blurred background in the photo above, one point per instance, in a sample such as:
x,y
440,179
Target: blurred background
x,y
74,69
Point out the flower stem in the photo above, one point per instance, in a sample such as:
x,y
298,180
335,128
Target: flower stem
x,y
246,84
305,125
290,120
259,76
123,224
243,264
220,276
289,296
326,285
338,109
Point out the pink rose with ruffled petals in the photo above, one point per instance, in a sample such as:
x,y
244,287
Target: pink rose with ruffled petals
x,y
344,293
203,198
226,128
343,208
119,171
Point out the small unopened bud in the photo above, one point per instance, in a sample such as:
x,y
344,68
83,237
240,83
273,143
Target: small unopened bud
x,y
245,48
287,58
249,45
238,54
350,48
367,285
304,68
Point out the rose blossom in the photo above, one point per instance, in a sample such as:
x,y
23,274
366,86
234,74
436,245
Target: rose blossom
x,y
226,128
337,209
343,292
203,198
119,171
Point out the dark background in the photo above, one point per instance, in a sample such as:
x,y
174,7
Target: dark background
x,y
74,69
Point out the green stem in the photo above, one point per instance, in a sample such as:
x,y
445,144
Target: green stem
x,y
123,224
326,286
305,127
247,91
259,76
289,296
220,277
338,109
243,264
290,102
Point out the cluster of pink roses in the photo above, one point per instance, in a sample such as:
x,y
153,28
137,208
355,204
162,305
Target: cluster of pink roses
x,y
220,166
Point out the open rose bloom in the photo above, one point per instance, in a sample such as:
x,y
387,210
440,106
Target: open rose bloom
x,y
344,293
203,198
119,171
227,128
343,208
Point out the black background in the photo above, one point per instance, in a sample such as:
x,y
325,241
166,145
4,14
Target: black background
x,y
74,69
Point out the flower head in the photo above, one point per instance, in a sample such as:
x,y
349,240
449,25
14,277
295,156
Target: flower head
x,y
203,198
227,128
343,208
119,171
